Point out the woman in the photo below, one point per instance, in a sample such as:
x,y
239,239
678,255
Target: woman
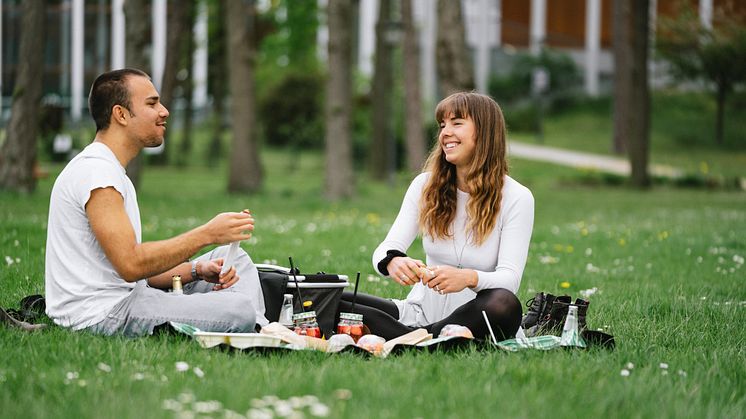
x,y
476,224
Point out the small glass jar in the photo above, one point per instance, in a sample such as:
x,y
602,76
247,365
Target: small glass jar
x,y
176,284
351,324
305,324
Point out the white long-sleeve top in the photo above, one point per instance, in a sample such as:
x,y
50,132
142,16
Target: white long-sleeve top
x,y
498,261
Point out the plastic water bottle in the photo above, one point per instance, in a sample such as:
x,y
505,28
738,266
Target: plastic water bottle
x,y
570,334
286,312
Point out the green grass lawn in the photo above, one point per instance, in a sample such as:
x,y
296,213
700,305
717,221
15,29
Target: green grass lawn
x,y
667,265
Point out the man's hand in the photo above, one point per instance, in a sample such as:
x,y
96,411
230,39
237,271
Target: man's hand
x,y
210,272
405,270
229,227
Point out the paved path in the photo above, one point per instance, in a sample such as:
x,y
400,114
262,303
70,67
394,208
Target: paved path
x,y
581,160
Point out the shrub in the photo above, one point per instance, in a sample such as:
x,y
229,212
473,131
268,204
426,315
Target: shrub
x,y
292,112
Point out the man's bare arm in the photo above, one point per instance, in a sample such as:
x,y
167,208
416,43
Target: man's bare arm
x,y
134,261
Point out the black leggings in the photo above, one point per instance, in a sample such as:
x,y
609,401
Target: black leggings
x,y
502,307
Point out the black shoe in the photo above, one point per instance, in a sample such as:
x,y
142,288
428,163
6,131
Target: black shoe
x,y
557,315
582,311
535,307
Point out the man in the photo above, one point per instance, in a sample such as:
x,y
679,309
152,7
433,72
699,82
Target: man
x,y
100,277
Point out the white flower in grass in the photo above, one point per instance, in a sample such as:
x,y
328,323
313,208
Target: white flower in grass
x,y
586,294
630,365
16,243
198,372
72,375
230,414
8,260
138,376
182,366
283,408
703,298
18,260
343,394
739,260
699,259
103,367
82,383
588,251
259,414
186,398
319,409
682,373
664,372
548,260
624,373
593,269
171,404
209,406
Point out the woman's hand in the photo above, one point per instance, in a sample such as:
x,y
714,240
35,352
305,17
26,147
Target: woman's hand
x,y
405,270
447,279
210,272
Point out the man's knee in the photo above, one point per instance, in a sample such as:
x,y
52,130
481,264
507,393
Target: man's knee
x,y
239,311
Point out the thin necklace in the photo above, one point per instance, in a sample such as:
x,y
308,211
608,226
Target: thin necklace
x,y
460,255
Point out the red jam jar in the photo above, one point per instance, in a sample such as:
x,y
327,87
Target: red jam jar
x,y
305,324
351,324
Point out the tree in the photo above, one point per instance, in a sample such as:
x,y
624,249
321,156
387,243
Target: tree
x,y
631,91
136,17
340,181
179,24
216,76
18,153
716,55
381,150
454,64
414,136
245,173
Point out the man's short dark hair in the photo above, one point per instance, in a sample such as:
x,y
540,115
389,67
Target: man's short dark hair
x,y
110,89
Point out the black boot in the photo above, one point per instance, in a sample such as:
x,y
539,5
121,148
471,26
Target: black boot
x,y
557,315
582,311
535,307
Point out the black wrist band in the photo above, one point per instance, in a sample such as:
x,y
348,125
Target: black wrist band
x,y
384,263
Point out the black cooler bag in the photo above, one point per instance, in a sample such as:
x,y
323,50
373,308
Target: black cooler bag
x,y
324,290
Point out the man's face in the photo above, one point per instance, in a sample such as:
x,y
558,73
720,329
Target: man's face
x,y
147,122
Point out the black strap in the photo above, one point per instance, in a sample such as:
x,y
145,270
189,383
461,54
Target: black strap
x,y
384,263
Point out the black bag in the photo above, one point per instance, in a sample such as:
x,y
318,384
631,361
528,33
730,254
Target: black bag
x,y
324,290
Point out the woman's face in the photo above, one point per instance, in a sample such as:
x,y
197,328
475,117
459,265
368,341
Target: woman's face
x,y
458,139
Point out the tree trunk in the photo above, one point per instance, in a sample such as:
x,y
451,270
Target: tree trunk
x,y
622,79
18,153
245,173
340,181
187,88
631,91
217,76
414,134
381,151
179,27
722,91
454,65
137,19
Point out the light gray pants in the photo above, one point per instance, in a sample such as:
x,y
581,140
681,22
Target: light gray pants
x,y
235,309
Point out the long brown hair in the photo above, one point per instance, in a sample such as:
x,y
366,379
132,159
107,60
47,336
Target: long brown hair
x,y
485,177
